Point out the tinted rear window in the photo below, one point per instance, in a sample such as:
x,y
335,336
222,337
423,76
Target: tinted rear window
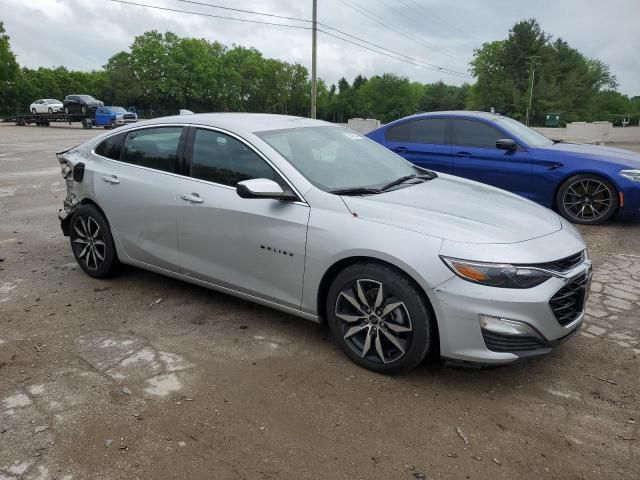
x,y
426,130
111,147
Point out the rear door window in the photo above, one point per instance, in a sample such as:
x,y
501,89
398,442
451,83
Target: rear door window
x,y
110,147
426,130
475,134
155,148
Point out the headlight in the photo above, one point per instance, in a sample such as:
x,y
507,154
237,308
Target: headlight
x,y
633,175
502,275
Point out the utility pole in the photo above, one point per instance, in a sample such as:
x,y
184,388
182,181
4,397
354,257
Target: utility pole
x,y
533,76
314,47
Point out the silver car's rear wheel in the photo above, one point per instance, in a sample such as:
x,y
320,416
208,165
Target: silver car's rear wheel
x,y
375,326
91,241
380,318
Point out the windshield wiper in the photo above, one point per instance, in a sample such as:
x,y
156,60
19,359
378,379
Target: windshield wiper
x,y
406,178
355,191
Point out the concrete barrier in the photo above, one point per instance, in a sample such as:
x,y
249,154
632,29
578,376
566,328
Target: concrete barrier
x,y
596,132
363,125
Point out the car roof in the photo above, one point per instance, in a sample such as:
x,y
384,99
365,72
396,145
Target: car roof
x,y
456,113
253,122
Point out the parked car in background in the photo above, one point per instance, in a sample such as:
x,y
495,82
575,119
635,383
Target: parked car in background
x,y
46,105
586,184
112,117
398,260
80,104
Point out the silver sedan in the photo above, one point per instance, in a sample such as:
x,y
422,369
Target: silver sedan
x,y
318,221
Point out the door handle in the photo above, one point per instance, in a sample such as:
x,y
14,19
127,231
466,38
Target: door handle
x,y
110,179
463,154
191,197
400,149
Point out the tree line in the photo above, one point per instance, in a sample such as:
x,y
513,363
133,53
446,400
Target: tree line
x,y
163,72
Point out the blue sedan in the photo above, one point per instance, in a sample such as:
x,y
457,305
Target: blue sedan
x,y
586,184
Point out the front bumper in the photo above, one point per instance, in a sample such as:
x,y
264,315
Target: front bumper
x,y
125,121
631,198
458,304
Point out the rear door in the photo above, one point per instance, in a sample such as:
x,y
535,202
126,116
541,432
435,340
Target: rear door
x,y
476,157
255,246
135,181
422,142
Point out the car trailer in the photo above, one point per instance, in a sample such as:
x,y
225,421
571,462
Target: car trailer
x,y
45,119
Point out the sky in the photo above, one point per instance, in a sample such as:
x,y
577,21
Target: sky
x,y
83,34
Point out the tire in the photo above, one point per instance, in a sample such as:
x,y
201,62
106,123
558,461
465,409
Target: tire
x,y
362,328
113,125
33,110
50,110
587,199
90,243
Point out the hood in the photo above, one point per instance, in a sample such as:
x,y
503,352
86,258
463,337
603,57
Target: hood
x,y
596,152
460,210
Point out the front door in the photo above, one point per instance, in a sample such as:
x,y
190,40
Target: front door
x,y
136,183
255,246
476,157
422,142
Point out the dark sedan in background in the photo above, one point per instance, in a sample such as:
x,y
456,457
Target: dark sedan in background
x,y
80,104
586,184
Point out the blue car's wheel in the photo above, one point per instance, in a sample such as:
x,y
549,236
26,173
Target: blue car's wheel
x,y
587,199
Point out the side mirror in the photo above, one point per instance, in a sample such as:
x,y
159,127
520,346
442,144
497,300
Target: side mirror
x,y
261,188
506,144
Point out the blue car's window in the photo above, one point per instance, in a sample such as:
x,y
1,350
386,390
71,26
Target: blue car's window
x,y
424,130
222,159
526,134
155,148
475,134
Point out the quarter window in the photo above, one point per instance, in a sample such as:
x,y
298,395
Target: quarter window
x,y
111,147
426,130
155,148
222,159
475,134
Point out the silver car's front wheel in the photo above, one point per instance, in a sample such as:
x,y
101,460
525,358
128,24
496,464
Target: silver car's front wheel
x,y
380,318
375,326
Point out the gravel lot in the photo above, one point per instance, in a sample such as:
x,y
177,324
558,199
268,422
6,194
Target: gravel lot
x,y
146,377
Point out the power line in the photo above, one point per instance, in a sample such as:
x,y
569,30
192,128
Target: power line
x,y
441,25
221,7
428,65
442,20
324,25
392,56
155,7
381,21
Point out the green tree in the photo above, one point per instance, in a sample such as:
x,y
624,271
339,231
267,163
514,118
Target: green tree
x,y
566,82
9,72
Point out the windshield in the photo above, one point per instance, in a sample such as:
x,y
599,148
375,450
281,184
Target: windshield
x,y
526,134
117,109
87,98
335,158
52,100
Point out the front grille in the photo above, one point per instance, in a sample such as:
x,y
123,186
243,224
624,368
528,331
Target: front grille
x,y
129,116
562,265
498,342
567,304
